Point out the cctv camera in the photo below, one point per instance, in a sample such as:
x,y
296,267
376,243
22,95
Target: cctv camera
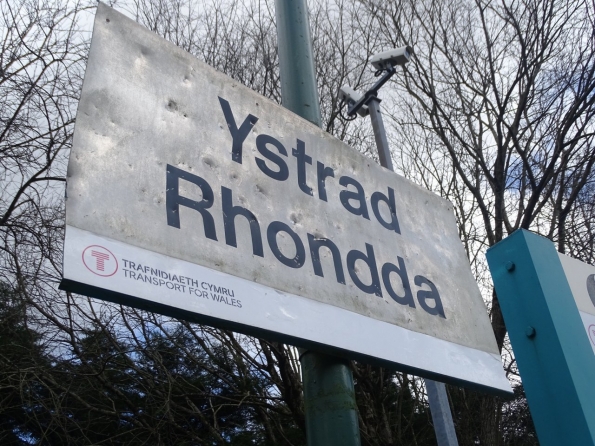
x,y
388,59
351,96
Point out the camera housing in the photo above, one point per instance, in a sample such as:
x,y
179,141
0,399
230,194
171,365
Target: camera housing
x,y
391,58
351,96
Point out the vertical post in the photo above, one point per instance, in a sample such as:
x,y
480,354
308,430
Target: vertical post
x,y
547,334
299,92
444,427
329,395
439,406
380,133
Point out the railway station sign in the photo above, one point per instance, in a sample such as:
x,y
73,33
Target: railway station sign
x,y
191,195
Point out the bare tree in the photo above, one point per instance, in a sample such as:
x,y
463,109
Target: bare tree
x,y
94,373
41,66
503,110
495,114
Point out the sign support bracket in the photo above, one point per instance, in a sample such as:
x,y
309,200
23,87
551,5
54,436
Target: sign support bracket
x,y
553,354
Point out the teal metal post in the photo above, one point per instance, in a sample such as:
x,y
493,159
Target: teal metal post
x,y
299,92
329,395
329,401
552,351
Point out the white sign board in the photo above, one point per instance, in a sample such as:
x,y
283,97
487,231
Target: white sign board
x,y
192,195
581,278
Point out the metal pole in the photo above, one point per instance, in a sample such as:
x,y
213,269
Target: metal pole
x,y
329,395
329,401
437,397
380,133
299,92
441,414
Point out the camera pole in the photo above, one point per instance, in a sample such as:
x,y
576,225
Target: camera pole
x,y
437,397
379,133
329,396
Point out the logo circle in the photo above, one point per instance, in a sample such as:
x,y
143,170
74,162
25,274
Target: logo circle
x,y
100,260
591,287
591,331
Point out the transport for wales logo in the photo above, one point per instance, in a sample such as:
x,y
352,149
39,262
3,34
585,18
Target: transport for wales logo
x,y
100,260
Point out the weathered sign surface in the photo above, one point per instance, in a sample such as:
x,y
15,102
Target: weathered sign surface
x,y
192,195
581,278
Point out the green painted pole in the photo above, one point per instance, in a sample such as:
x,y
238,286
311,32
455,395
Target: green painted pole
x,y
552,351
299,92
329,395
329,401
